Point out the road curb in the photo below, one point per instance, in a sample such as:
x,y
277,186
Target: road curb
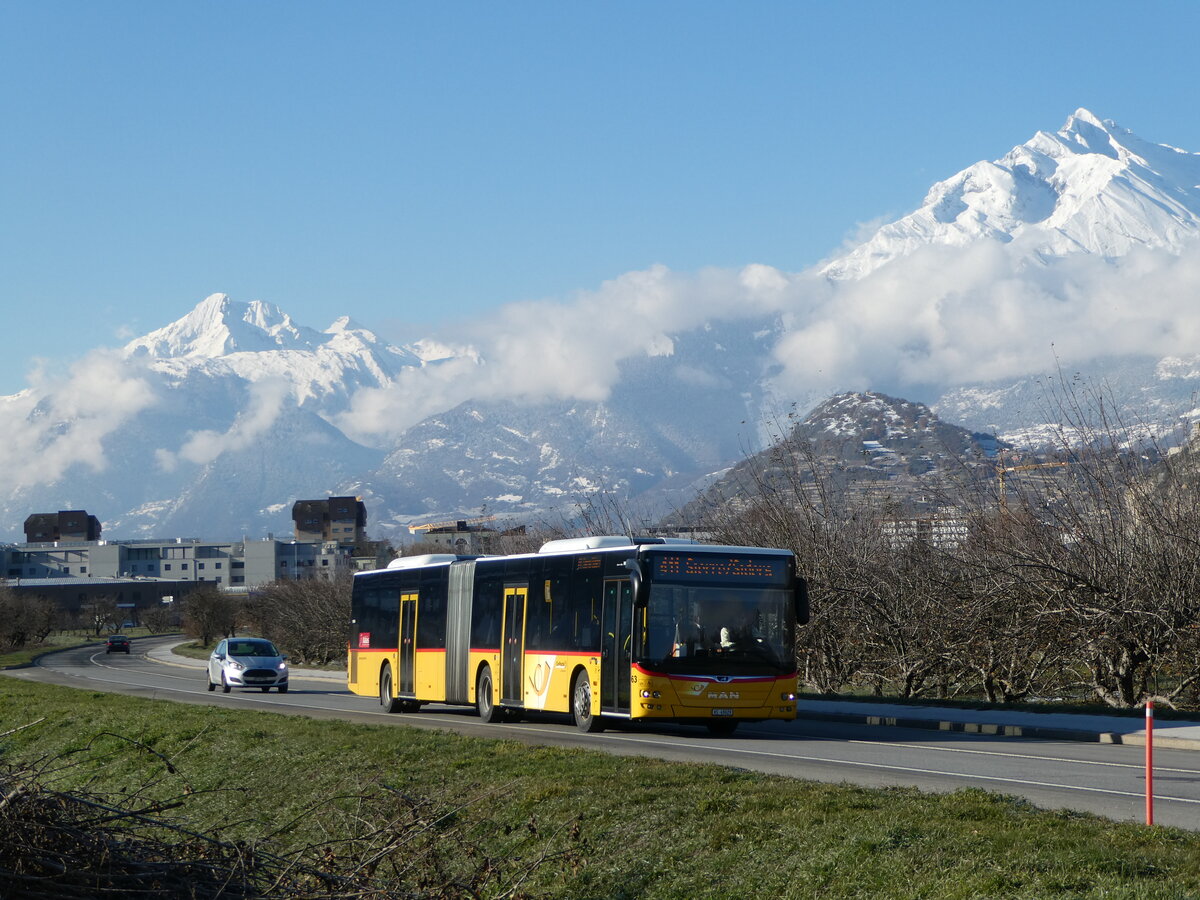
x,y
1161,740
1045,732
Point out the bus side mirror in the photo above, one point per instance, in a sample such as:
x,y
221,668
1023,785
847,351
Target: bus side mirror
x,y
802,613
637,582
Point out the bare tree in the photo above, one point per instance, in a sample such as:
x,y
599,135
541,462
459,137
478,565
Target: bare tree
x,y
209,613
311,618
103,613
159,618
25,620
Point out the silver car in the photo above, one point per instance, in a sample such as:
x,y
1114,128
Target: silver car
x,y
247,662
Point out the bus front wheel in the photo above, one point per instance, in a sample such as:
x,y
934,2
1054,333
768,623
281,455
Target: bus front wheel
x,y
485,700
389,703
581,705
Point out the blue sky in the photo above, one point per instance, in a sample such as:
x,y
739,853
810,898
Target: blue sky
x,y
413,165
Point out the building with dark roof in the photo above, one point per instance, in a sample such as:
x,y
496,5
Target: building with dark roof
x,y
340,519
63,526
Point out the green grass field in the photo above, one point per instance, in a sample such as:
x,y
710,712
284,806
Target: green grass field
x,y
601,826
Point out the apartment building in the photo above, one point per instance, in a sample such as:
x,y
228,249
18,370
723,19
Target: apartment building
x,y
340,519
66,525
229,565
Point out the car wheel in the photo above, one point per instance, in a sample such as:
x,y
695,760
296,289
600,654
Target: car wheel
x,y
485,700
264,690
581,705
225,684
208,678
283,689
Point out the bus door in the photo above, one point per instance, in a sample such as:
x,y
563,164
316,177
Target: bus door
x,y
615,649
512,664
408,643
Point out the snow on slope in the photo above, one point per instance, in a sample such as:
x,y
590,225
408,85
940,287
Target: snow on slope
x,y
257,340
1092,187
233,411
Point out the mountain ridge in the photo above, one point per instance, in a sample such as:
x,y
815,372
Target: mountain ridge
x,y
1090,187
229,414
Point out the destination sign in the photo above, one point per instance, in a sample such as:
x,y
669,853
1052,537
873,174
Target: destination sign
x,y
719,568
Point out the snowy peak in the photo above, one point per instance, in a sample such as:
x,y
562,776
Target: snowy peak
x,y
1092,135
219,326
251,342
1092,187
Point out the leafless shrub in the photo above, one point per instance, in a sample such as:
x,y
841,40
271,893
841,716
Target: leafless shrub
x,y
310,617
25,621
209,613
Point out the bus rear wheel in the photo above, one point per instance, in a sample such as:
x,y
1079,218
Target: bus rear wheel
x,y
389,703
485,699
581,705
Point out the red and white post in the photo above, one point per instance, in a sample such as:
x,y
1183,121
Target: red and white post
x,y
1149,762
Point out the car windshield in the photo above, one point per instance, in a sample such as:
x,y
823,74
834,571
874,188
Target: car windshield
x,y
736,630
252,648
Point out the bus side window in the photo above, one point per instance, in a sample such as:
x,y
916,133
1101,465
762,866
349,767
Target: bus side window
x,y
485,613
585,608
553,596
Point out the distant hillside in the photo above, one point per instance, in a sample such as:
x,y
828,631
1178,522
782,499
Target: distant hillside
x,y
862,443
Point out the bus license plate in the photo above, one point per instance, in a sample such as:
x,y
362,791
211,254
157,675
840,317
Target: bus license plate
x,y
722,712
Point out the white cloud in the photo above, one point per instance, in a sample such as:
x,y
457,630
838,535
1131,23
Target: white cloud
x,y
61,421
267,400
937,318
568,349
947,316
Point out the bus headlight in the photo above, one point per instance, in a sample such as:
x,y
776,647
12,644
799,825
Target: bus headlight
x,y
787,696
646,695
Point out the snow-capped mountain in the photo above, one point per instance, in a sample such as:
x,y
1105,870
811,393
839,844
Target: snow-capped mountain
x,y
258,340
1092,187
539,459
213,425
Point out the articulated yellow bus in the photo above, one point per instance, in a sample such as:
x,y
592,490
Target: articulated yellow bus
x,y
600,628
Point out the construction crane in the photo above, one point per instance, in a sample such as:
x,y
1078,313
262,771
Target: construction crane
x,y
1002,470
430,526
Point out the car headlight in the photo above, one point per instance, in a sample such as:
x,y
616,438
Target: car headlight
x,y
235,665
283,667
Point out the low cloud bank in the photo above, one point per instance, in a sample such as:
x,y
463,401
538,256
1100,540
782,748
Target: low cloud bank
x,y
61,421
566,350
943,317
936,319
268,399
939,318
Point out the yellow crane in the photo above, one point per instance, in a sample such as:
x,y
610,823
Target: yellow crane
x,y
1002,470
429,526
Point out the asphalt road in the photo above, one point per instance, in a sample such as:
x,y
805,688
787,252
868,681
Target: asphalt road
x,y
1107,779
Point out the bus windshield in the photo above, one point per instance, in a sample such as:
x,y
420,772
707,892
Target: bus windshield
x,y
719,629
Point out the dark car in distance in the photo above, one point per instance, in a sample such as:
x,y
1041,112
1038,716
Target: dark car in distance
x,y
116,643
